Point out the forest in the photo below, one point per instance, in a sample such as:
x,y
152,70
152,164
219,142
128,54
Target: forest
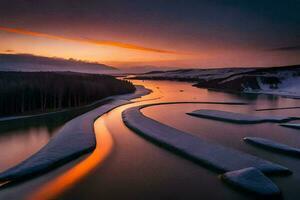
x,y
34,92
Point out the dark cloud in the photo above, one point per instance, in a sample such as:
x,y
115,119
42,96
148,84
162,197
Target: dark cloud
x,y
287,48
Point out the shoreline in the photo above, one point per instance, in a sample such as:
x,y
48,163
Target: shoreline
x,y
159,133
80,137
62,111
194,82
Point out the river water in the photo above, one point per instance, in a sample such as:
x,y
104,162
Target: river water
x,y
138,169
21,138
134,168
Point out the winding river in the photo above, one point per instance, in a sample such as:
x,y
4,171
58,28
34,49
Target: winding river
x,y
126,166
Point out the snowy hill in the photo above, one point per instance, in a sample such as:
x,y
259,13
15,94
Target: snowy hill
x,y
284,81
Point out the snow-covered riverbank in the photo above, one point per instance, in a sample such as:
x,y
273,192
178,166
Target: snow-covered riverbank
x,y
223,159
74,139
207,153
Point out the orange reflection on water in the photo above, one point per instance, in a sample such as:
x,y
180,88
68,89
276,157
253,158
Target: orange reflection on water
x,y
55,187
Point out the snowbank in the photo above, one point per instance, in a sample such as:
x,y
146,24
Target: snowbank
x,y
290,125
238,117
252,180
210,154
289,87
75,138
140,91
270,144
278,108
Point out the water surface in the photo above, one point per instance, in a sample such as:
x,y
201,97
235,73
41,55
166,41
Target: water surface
x,y
134,168
138,169
21,138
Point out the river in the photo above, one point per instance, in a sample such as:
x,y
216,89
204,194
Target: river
x,y
131,167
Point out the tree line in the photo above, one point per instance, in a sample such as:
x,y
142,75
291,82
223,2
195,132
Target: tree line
x,y
27,92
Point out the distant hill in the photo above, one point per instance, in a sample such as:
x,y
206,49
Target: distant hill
x,y
282,80
145,69
29,62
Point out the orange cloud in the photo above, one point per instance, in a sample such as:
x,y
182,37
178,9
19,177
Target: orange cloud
x,y
89,41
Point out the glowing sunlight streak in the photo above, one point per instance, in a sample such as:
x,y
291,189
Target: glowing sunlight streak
x,y
63,182
85,40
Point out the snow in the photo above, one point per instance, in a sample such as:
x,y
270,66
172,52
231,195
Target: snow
x,y
270,144
208,153
238,117
251,180
291,125
75,138
278,108
140,91
205,74
289,86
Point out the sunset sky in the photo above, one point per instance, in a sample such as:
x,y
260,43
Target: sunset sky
x,y
177,33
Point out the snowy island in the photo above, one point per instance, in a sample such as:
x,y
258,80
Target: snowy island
x,y
238,117
239,169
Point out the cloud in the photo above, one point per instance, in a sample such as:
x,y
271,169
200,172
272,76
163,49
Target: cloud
x,y
86,40
287,48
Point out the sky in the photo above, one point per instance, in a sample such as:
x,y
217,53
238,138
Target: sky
x,y
175,33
